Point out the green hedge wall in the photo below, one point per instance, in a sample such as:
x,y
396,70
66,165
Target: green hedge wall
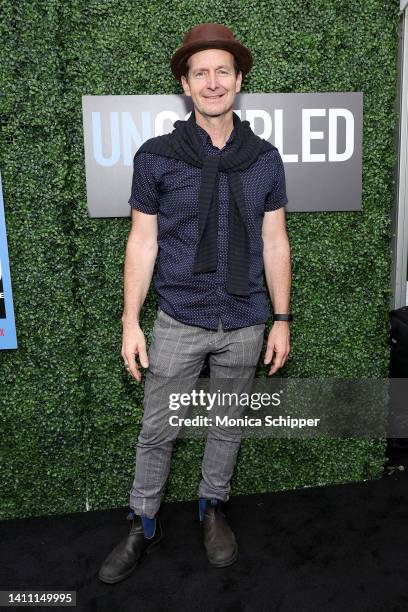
x,y
69,414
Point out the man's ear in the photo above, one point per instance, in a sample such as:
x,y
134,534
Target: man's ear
x,y
185,85
239,82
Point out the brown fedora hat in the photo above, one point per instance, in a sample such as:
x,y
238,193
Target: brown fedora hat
x,y
210,36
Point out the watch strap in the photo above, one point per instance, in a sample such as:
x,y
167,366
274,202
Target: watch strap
x,y
282,317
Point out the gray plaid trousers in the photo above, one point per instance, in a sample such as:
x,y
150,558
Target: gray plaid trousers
x,y
177,353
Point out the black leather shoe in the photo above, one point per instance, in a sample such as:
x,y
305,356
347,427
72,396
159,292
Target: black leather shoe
x,y
124,558
219,539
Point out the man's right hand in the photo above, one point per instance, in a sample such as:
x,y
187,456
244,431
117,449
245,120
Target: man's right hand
x,y
134,343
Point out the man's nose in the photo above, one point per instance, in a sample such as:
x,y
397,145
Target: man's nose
x,y
212,80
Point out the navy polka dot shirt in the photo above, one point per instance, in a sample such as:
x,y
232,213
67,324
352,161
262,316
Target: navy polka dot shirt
x,y
169,188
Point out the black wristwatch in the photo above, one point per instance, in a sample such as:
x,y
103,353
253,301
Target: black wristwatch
x,y
282,317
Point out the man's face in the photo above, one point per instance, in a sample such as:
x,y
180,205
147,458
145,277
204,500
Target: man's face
x,y
212,82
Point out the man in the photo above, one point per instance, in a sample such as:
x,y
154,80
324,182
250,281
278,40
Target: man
x,y
209,200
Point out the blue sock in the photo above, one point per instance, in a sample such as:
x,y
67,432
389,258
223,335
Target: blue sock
x,y
201,505
149,526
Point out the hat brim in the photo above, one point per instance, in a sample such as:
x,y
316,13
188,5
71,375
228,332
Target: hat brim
x,y
240,52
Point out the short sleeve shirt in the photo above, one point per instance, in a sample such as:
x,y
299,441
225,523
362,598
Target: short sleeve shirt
x,y
169,188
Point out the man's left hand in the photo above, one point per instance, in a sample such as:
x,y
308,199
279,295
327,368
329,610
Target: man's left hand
x,y
278,346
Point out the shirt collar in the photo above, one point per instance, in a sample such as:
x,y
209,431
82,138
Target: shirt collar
x,y
205,137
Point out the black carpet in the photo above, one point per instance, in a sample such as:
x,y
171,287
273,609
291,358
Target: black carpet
x,y
320,549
